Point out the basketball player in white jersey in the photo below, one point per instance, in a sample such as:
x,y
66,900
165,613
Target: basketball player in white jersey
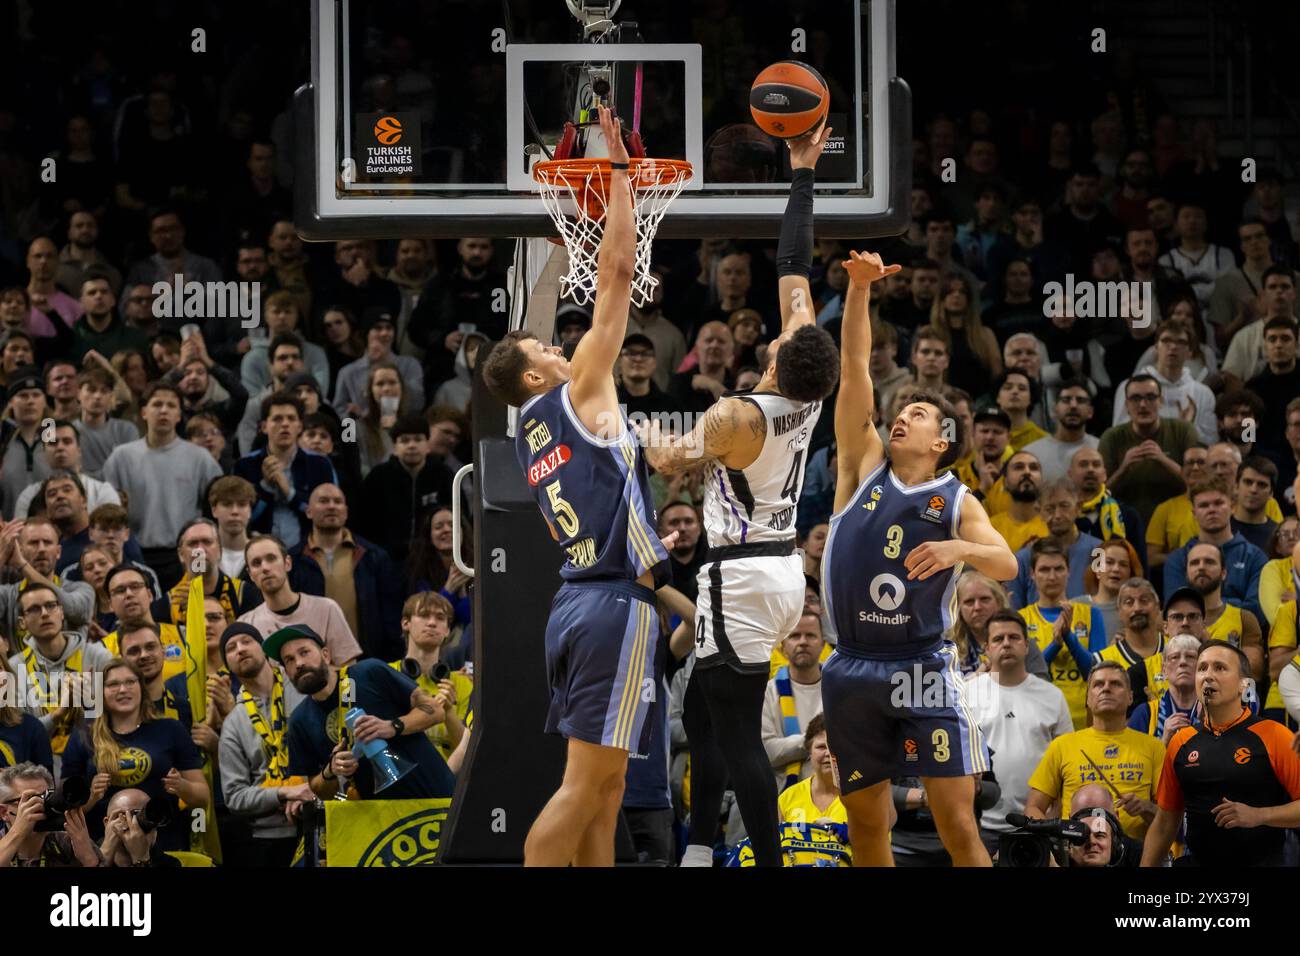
x,y
751,584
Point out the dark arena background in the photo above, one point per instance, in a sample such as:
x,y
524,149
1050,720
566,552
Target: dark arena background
x,y
276,563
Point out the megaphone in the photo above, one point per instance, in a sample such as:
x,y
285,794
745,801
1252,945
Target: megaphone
x,y
386,766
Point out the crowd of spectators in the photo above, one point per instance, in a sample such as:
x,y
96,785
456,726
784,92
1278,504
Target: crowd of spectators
x,y
1137,444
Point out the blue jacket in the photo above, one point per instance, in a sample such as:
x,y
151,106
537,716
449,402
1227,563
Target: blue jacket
x,y
1245,563
307,471
379,595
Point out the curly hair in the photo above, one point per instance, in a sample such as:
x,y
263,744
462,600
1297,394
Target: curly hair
x,y
808,365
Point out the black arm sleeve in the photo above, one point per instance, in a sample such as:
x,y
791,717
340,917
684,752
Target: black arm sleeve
x,y
794,251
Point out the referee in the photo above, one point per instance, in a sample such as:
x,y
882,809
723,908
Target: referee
x,y
1229,771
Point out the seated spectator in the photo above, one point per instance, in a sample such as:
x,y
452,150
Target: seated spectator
x,y
746,327
208,387
23,787
1283,665
110,529
1211,507
1245,357
1140,644
666,339
1256,480
358,282
23,737
21,463
165,350
285,354
389,401
931,358
356,573
1015,306
793,698
231,500
982,470
1223,461
128,592
638,392
100,328
165,478
63,455
1235,291
142,647
64,500
127,842
280,313
1060,512
31,548
1016,394
343,341
397,491
1119,562
61,388
45,657
1288,460
1223,622
198,548
254,755
1073,411
1027,353
82,256
978,598
815,801
426,620
167,236
1279,383
282,474
1175,708
1278,582
351,395
1183,397
51,308
321,435
99,433
430,567
1203,362
973,349
1021,522
1143,455
1128,761
395,708
269,565
152,754
1067,634
695,391
688,550
136,371
1018,716
1172,524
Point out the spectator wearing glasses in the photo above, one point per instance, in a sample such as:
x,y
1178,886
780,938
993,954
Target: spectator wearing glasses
x,y
1182,396
638,390
1175,707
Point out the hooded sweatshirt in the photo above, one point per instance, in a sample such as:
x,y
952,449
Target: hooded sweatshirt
x,y
79,655
456,391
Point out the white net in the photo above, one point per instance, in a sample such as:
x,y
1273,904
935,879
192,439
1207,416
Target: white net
x,y
575,192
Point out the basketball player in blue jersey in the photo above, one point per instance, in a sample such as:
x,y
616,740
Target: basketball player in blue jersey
x,y
892,691
585,468
751,584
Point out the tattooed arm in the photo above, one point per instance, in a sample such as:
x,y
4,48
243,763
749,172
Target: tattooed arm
x,y
731,431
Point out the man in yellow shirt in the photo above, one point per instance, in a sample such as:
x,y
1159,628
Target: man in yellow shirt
x,y
1126,762
1141,642
1172,525
981,470
130,596
1021,522
1016,393
426,621
1224,622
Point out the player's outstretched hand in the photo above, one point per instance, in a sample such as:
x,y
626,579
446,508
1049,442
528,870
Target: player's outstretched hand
x,y
926,560
807,149
865,268
669,541
612,127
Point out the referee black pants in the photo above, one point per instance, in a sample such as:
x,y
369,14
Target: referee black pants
x,y
722,715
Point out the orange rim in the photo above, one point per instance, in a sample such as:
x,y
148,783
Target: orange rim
x,y
642,172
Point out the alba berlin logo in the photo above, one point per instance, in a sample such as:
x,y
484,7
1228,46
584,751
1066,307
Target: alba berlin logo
x,y
388,131
886,592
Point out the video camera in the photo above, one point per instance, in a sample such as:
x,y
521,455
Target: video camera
x,y
1036,842
56,803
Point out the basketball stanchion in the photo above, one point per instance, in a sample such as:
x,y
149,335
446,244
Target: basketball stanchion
x,y
575,192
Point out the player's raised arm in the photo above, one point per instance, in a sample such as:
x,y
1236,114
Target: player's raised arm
x,y
594,358
794,251
729,431
856,440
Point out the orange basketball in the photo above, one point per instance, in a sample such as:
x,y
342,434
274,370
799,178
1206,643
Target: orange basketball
x,y
388,130
788,99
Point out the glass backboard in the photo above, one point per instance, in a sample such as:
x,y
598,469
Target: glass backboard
x,y
425,118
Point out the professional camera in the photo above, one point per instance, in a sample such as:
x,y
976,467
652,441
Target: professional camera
x,y
56,803
438,672
158,812
1036,842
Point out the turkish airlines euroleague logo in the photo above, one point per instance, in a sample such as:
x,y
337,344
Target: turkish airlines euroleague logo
x,y
388,131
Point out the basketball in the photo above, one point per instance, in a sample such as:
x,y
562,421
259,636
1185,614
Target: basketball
x,y
788,99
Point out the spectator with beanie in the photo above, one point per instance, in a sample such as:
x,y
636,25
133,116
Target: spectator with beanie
x,y
380,328
397,491
22,462
282,473
254,755
357,574
638,390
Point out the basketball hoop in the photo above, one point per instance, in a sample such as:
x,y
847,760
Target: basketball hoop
x,y
575,191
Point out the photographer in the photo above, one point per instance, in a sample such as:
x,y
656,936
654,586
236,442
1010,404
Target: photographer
x,y
25,791
131,832
427,618
1104,834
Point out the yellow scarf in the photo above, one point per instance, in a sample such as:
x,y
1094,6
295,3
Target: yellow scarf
x,y
272,734
62,728
1109,518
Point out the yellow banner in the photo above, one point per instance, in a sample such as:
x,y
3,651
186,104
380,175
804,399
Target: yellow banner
x,y
384,832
